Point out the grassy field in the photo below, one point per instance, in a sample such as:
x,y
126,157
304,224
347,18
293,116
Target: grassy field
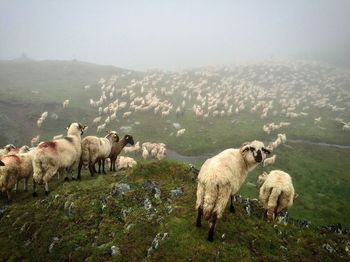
x,y
84,220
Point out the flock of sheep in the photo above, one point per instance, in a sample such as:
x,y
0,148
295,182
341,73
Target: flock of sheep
x,y
286,89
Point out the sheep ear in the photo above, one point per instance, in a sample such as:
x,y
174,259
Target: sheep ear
x,y
2,163
244,147
266,151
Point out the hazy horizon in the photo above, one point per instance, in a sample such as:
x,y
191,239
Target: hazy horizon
x,y
142,35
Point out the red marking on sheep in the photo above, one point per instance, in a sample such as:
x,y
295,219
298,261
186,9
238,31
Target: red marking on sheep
x,y
10,158
48,144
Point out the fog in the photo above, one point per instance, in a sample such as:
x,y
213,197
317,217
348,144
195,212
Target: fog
x,y
175,34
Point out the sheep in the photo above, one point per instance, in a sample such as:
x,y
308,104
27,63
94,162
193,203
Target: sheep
x,y
180,132
269,161
221,177
6,149
35,141
65,103
53,156
276,192
25,168
125,162
145,153
117,148
9,170
132,149
95,149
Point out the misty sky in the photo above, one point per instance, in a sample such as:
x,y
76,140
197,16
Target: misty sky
x,y
174,34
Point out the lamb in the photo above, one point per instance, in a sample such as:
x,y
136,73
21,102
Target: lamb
x,y
221,177
96,149
117,148
52,156
180,132
125,162
276,192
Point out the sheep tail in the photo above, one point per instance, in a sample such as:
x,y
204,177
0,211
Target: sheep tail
x,y
273,199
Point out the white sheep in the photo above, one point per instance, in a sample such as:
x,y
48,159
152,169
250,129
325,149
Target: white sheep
x,y
180,132
221,177
269,161
276,192
52,156
96,149
125,162
132,149
9,170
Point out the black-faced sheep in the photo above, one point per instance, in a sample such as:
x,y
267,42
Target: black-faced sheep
x,y
221,177
96,149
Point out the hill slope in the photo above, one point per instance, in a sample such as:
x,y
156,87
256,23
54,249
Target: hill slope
x,y
92,220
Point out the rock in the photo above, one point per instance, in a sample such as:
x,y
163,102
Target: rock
x,y
329,248
147,203
334,228
151,186
282,217
54,241
115,251
176,192
156,242
120,189
71,209
247,206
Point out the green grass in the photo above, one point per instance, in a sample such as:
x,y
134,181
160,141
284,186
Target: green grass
x,y
101,220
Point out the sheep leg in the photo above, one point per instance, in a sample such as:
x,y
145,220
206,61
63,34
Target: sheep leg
x,y
232,208
34,194
99,165
79,169
212,224
26,184
8,196
199,217
91,169
114,165
103,166
46,188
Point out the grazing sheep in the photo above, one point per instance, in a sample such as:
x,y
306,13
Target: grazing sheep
x,y
180,132
145,153
132,149
25,168
95,149
269,161
125,162
276,192
117,148
52,156
9,170
221,177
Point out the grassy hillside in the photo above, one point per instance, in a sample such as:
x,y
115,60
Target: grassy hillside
x,y
319,172
89,220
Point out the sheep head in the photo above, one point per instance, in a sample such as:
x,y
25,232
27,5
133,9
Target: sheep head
x,y
113,135
254,152
73,128
129,139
